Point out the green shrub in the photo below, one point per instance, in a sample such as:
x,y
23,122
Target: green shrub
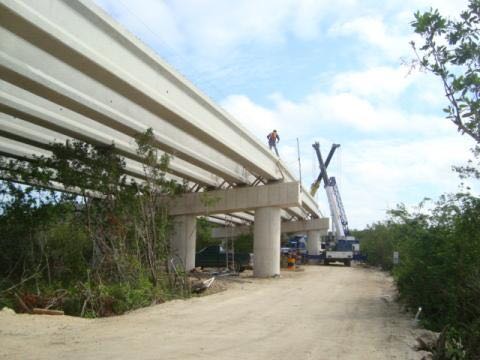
x,y
105,254
439,268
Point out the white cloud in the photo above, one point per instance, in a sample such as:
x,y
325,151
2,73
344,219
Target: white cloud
x,y
217,26
387,26
372,31
259,120
377,175
380,82
386,85
153,21
449,8
331,113
214,25
213,28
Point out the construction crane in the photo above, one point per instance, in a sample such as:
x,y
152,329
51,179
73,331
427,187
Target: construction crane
x,y
342,246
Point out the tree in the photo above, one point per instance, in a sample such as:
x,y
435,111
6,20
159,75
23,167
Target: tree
x,y
450,50
103,238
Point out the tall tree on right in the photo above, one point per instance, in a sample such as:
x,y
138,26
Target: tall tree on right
x,y
450,50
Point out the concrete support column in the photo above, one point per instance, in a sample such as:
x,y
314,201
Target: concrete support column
x,y
266,242
313,242
183,239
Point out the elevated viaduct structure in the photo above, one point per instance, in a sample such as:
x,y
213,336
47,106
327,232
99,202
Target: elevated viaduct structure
x,y
68,71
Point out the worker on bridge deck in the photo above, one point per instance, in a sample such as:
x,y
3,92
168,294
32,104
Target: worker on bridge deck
x,y
273,139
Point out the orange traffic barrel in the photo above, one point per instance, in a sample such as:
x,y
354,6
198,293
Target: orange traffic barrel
x,y
291,263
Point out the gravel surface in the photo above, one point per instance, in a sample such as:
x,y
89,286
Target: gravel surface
x,y
331,312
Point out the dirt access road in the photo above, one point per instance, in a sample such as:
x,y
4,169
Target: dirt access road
x,y
322,313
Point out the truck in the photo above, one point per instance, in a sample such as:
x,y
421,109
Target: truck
x,y
340,250
296,243
339,246
217,256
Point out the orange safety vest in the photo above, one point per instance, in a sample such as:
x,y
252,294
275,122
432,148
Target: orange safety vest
x,y
272,137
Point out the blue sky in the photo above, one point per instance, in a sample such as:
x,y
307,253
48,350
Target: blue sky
x,y
318,70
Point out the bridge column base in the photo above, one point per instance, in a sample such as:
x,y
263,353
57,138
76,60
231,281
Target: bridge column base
x,y
266,242
183,239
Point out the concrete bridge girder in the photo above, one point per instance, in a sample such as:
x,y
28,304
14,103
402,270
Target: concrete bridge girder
x,y
24,142
51,78
13,148
177,166
37,145
168,138
300,226
47,126
134,71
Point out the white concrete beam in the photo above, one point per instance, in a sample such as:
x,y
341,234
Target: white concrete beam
x,y
213,220
71,26
23,142
227,220
238,199
247,218
303,226
168,138
20,150
126,81
35,112
231,231
310,205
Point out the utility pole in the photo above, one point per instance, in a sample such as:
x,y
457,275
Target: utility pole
x,y
299,162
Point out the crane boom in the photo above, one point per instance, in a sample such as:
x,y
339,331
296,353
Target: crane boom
x,y
337,211
341,209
